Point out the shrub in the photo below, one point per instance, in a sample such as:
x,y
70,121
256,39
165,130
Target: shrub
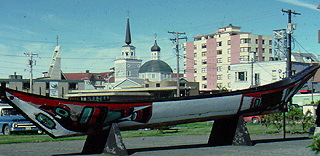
x,y
315,146
294,117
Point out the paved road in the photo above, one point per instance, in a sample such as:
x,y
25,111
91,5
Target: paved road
x,y
186,145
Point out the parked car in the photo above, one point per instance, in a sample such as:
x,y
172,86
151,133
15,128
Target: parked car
x,y
253,119
11,121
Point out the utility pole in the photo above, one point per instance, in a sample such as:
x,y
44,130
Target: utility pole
x,y
32,63
253,59
290,28
176,43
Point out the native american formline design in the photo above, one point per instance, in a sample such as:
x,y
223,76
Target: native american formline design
x,y
64,118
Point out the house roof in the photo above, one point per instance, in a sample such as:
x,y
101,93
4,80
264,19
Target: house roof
x,y
175,75
304,57
86,76
130,82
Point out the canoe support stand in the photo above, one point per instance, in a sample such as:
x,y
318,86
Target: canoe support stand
x,y
225,131
105,141
229,131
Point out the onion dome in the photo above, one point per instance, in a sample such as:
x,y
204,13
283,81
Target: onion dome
x,y
155,66
155,47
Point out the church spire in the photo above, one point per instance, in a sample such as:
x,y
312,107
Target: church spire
x,y
128,34
155,49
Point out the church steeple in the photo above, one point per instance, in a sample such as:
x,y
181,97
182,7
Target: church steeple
x,y
128,33
127,66
128,51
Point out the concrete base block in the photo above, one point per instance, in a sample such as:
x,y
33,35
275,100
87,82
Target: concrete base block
x,y
114,143
229,131
105,141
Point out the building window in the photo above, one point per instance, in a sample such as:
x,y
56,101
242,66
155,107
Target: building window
x,y
219,77
203,45
72,86
245,40
195,70
204,53
262,41
270,42
204,78
244,58
219,44
270,51
229,76
204,61
195,55
257,41
26,85
157,84
219,68
147,85
204,86
241,76
195,47
219,52
153,76
263,50
229,42
219,60
229,59
204,70
245,49
229,51
195,62
256,79
47,85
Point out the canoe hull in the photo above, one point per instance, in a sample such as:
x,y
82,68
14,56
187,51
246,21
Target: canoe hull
x,y
63,118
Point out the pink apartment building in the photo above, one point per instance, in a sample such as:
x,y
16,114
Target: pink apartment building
x,y
208,57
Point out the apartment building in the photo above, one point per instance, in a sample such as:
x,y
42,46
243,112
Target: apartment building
x,y
208,57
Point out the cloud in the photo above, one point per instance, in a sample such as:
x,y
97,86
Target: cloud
x,y
14,31
300,3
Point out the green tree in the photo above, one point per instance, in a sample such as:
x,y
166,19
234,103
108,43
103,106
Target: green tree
x,y
293,117
307,121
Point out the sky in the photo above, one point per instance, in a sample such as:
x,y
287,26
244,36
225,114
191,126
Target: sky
x,y
92,32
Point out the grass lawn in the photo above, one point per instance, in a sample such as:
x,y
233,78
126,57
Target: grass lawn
x,y
199,128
